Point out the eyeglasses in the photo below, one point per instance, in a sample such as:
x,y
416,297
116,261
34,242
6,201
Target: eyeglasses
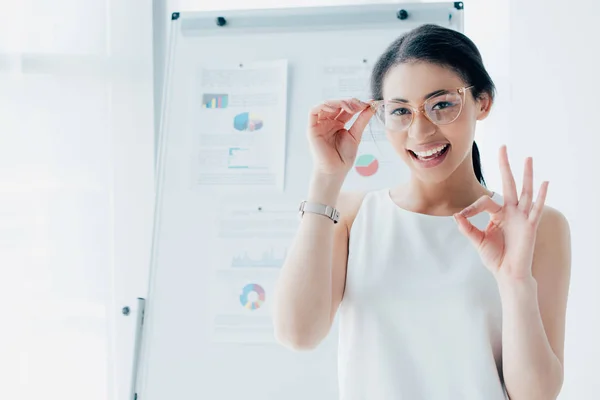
x,y
441,109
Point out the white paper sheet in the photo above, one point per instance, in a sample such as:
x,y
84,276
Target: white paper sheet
x,y
241,125
253,242
241,307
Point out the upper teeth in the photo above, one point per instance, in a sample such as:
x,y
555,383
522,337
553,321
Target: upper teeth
x,y
431,152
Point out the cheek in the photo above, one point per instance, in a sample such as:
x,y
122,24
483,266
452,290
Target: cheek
x,y
466,122
459,132
398,141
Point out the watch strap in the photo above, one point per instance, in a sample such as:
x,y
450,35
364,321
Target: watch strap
x,y
321,209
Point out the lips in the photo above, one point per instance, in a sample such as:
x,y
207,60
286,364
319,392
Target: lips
x,y
432,152
431,157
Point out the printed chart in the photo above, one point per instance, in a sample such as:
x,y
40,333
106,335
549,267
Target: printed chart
x,y
242,158
215,100
238,138
271,258
253,296
247,122
241,309
366,165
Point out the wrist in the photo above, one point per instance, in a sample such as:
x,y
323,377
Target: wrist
x,y
510,286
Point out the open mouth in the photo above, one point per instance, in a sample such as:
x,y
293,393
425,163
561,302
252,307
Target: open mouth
x,y
432,157
431,154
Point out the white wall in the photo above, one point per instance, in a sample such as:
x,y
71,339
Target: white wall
x,y
554,117
76,193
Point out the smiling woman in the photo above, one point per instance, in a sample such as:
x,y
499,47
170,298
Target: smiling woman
x,y
461,294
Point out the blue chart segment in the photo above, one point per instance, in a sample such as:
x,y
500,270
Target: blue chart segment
x,y
210,100
247,122
268,259
259,294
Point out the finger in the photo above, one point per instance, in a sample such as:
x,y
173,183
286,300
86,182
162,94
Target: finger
x,y
357,106
332,109
509,187
484,203
527,190
319,111
345,116
537,209
469,230
358,127
329,109
350,106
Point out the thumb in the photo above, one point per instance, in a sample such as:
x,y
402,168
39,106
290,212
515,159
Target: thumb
x,y
469,230
359,125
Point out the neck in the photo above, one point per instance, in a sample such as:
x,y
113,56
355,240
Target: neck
x,y
458,191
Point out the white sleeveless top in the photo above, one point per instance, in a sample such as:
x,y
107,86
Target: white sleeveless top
x,y
421,315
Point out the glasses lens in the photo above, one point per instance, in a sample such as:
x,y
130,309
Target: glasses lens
x,y
394,116
444,108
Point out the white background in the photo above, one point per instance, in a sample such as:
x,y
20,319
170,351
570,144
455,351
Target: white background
x,y
76,192
76,154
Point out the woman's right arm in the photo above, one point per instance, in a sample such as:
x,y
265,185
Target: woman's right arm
x,y
312,279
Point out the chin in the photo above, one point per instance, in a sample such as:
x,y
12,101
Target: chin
x,y
433,178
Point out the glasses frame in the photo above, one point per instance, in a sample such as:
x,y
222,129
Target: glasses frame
x,y
375,104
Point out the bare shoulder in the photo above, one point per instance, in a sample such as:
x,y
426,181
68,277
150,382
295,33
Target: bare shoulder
x,y
348,205
554,226
553,242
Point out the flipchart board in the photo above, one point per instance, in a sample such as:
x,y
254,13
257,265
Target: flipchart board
x,y
233,166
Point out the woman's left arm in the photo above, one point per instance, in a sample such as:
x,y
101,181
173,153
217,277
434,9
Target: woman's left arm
x,y
527,247
533,315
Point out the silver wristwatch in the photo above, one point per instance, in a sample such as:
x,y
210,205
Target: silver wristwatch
x,y
322,209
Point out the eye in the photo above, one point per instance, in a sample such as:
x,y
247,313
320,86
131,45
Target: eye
x,y
399,111
442,104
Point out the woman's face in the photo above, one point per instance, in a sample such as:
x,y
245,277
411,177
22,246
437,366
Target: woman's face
x,y
413,82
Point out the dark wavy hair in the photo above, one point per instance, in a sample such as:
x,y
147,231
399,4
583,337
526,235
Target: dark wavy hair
x,y
441,46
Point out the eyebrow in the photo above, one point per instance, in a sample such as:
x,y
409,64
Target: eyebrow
x,y
440,91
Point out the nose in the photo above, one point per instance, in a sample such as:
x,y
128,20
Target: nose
x,y
421,127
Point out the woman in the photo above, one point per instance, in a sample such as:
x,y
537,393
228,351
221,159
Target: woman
x,y
445,289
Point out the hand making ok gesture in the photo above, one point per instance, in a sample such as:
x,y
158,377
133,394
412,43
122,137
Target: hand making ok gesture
x,y
506,245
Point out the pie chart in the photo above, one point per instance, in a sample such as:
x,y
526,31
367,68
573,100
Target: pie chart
x,y
366,165
247,122
256,292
